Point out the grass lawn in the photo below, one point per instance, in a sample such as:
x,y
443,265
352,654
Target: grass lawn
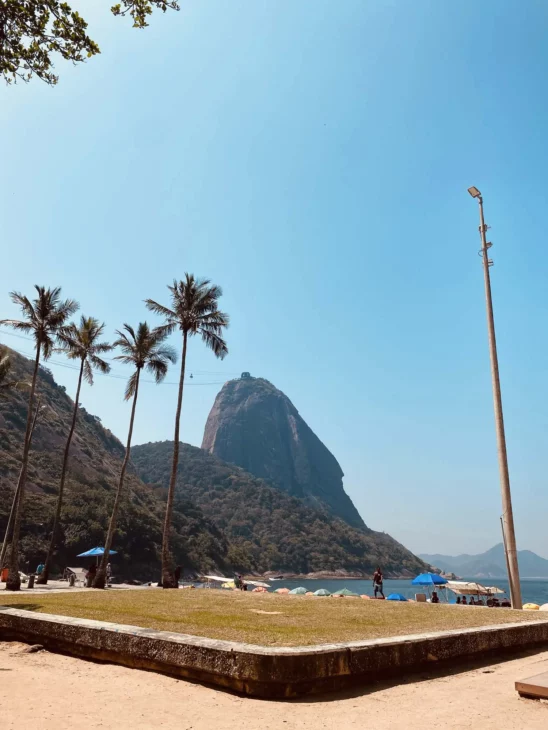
x,y
264,619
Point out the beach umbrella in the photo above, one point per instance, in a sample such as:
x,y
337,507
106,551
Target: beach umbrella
x,y
428,579
396,597
94,552
544,607
345,592
531,607
322,592
282,590
300,591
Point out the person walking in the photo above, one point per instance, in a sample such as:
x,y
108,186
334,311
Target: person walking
x,y
109,573
377,582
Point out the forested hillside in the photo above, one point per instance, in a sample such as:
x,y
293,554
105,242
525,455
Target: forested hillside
x,y
224,518
267,529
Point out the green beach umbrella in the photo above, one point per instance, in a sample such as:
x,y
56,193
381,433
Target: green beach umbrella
x,y
345,592
324,592
300,591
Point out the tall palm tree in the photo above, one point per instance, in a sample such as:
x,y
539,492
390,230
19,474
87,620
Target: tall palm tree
x,y
78,342
144,350
194,311
11,518
43,318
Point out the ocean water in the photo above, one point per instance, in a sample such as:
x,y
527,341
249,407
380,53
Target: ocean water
x,y
534,590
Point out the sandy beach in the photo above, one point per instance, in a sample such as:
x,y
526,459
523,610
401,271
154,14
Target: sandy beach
x,y
40,691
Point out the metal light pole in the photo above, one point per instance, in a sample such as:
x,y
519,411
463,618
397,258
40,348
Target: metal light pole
x,y
507,515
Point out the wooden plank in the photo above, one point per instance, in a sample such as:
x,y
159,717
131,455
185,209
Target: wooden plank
x,y
536,686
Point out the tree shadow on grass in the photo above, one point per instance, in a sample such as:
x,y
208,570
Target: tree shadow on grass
x,y
24,606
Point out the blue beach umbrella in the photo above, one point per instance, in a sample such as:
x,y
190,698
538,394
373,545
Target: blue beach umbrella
x,y
95,551
396,597
428,579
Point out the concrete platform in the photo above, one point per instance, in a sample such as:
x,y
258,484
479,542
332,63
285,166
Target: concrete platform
x,y
263,671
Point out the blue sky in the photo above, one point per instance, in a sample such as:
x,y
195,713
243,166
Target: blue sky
x,y
313,159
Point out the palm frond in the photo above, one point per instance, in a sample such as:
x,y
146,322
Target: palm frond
x,y
24,303
157,308
88,372
164,330
215,342
99,364
131,385
17,325
157,367
166,352
103,347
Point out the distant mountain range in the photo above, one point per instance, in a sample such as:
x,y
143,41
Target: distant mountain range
x,y
491,564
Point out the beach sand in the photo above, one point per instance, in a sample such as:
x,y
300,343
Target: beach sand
x,y
40,691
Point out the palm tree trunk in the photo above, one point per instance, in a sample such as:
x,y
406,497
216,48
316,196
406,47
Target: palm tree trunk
x,y
11,518
100,578
168,575
43,579
13,582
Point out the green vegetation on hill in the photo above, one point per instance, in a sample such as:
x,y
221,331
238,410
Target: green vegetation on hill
x,y
267,529
93,473
224,517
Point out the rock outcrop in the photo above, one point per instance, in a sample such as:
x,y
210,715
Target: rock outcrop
x,y
254,425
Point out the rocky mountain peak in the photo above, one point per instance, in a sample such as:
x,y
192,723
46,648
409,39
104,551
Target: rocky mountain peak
x,y
256,426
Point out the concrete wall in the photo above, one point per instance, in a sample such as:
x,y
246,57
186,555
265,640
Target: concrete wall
x,y
262,671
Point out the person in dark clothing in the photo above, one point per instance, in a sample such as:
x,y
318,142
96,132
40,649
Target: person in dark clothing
x,y
377,582
90,575
177,575
435,597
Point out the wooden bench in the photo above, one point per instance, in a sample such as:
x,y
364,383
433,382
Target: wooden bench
x,y
535,687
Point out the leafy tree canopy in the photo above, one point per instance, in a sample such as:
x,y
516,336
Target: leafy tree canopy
x,y
33,31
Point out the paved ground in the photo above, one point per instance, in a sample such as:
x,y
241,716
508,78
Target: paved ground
x,y
42,691
61,586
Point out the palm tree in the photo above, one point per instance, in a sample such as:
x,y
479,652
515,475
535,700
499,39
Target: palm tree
x,y
78,343
144,350
194,311
43,318
9,526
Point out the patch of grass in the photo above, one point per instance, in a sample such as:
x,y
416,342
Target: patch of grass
x,y
286,621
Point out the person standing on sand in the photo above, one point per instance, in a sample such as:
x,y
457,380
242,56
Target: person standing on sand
x,y
377,582
109,573
177,575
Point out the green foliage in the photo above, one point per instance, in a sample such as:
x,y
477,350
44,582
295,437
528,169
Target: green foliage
x,y
267,529
93,473
224,517
32,31
195,311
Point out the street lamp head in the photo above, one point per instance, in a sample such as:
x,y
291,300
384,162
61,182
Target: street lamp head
x,y
474,192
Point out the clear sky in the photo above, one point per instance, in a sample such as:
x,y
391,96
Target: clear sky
x,y
313,159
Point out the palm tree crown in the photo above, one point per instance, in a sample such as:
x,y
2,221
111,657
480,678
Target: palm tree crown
x,y
144,349
195,311
80,343
43,317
